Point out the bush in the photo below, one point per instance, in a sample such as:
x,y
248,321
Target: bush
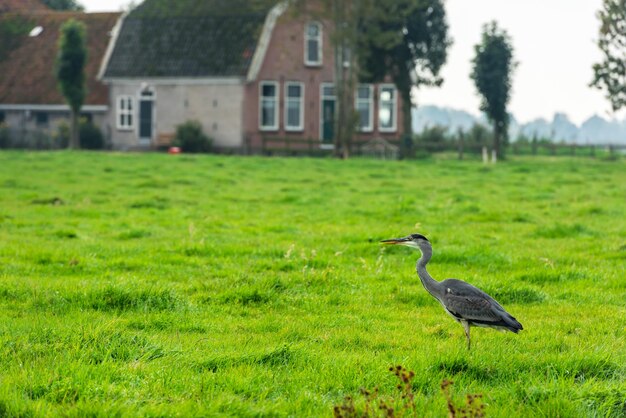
x,y
479,135
433,135
90,135
190,137
62,135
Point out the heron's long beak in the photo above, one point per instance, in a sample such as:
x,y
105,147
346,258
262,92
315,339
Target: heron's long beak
x,y
396,241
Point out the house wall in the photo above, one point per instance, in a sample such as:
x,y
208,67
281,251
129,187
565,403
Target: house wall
x,y
216,104
284,62
24,126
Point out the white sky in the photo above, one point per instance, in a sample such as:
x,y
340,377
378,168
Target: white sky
x,y
104,5
554,43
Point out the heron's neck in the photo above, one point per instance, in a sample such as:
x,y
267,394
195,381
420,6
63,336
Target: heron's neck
x,y
431,285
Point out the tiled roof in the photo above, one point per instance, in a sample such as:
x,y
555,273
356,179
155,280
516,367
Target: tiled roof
x,y
27,67
194,39
21,6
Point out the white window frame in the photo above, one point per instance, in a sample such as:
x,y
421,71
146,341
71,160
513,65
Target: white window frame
x,y
127,111
274,126
320,40
299,100
394,107
370,101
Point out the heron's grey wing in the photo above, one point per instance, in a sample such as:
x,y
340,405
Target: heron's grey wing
x,y
471,308
465,301
460,288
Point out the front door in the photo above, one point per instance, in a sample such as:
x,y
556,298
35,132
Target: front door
x,y
328,121
327,115
145,120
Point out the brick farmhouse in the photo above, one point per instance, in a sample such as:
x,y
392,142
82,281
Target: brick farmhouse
x,y
248,75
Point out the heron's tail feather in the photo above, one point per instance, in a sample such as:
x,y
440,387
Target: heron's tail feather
x,y
513,324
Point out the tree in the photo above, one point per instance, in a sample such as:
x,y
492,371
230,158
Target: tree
x,y
344,17
408,41
492,74
70,71
64,5
610,74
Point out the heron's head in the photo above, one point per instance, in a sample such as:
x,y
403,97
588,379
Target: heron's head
x,y
413,240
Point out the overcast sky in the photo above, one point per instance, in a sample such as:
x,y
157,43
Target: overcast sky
x,y
554,43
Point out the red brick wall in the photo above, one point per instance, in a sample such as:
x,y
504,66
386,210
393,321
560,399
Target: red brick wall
x,y
284,62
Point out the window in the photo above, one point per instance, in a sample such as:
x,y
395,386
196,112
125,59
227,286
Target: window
x,y
365,107
268,105
313,44
125,112
2,117
294,106
41,118
387,104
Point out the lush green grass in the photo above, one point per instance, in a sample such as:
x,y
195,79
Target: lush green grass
x,y
157,285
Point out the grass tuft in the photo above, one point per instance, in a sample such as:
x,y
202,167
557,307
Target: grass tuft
x,y
560,231
120,300
134,234
282,356
549,277
521,296
54,201
158,203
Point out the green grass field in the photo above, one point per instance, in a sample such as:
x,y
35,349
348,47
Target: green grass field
x,y
155,285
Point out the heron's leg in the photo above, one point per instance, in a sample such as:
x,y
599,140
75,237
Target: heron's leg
x,y
466,328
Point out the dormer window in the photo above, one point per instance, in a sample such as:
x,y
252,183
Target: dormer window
x,y
313,44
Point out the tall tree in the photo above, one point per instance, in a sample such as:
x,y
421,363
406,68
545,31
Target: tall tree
x,y
407,40
610,74
492,73
64,5
70,71
344,17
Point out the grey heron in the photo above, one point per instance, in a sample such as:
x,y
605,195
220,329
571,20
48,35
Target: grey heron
x,y
467,304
